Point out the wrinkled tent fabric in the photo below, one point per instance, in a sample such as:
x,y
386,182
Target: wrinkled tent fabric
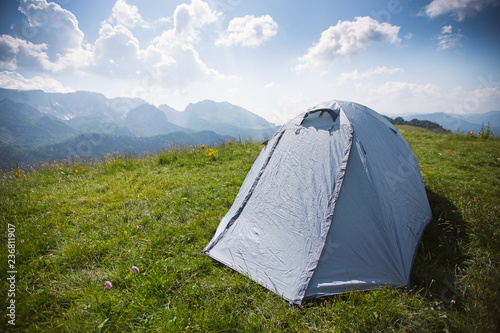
x,y
334,202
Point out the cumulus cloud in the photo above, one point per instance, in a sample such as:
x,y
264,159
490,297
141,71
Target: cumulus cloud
x,y
50,36
173,56
348,38
356,75
116,51
50,41
15,52
189,19
460,9
249,31
126,15
49,24
13,80
449,40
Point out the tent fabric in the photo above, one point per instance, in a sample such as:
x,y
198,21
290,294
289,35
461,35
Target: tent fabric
x,y
334,202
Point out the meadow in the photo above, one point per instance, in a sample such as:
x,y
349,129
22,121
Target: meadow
x,y
114,246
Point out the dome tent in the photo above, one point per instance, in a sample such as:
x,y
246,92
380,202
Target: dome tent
x,y
334,202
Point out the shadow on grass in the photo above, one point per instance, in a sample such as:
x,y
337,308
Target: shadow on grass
x,y
439,255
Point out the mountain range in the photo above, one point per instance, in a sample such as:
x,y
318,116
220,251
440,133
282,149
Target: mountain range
x,y
36,126
462,122
34,121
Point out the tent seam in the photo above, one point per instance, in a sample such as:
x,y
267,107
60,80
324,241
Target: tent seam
x,y
250,192
338,185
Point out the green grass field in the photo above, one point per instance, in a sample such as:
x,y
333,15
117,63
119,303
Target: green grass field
x,y
76,225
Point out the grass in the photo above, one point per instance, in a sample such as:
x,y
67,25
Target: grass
x,y
79,224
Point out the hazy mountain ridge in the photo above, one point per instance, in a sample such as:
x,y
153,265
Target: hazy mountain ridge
x,y
221,117
32,122
462,122
23,124
87,111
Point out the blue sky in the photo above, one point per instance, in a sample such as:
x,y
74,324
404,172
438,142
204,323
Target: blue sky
x,y
274,58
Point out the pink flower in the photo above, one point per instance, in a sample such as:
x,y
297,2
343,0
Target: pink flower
x,y
22,240
108,285
139,227
135,269
45,234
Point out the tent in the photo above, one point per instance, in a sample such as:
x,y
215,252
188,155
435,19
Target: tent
x,y
335,202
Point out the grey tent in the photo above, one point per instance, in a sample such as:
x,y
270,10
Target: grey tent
x,y
334,202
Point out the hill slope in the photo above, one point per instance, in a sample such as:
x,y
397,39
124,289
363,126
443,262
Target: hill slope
x,y
97,145
23,124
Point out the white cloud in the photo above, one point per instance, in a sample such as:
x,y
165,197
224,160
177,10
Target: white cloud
x,y
172,57
189,19
481,99
15,52
50,41
249,31
116,52
397,98
269,85
405,97
51,36
408,36
449,40
447,29
126,15
460,9
13,80
380,70
187,66
408,92
348,38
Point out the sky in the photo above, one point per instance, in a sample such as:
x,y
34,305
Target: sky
x,y
274,57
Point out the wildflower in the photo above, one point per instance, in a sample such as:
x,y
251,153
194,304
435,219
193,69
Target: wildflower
x,y
50,255
108,285
45,234
135,269
22,240
139,227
